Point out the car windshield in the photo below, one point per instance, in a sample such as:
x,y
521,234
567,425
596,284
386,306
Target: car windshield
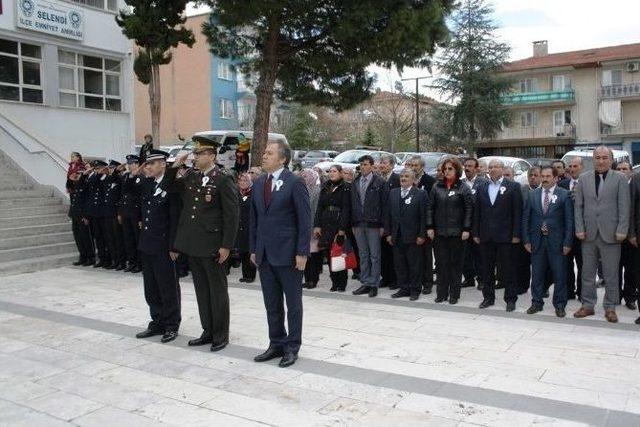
x,y
350,156
173,152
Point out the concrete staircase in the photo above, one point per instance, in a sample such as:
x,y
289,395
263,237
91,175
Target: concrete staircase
x,y
35,232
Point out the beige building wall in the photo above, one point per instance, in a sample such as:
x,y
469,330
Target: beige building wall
x,y
185,90
586,85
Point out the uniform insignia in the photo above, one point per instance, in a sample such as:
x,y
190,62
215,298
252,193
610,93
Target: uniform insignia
x,y
158,191
138,180
205,179
164,193
113,185
207,197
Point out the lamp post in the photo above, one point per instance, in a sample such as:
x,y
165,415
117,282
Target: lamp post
x,y
417,79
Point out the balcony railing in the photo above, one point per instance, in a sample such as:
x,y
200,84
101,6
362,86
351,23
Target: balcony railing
x,y
620,91
529,98
626,128
535,132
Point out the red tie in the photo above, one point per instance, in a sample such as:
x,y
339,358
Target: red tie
x,y
267,190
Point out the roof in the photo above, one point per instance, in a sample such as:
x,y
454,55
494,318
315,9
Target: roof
x,y
577,58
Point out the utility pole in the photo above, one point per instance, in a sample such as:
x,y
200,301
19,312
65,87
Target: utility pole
x,y
417,79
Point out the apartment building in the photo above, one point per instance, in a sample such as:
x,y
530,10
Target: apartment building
x,y
562,101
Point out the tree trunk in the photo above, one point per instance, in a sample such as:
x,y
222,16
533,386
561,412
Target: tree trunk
x,y
264,95
154,103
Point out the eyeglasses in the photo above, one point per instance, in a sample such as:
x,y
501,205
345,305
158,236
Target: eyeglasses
x,y
449,168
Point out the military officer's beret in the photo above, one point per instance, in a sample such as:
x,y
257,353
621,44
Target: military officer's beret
x,y
157,155
98,164
132,158
203,142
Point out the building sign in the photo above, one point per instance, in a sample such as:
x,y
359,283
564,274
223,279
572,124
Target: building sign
x,y
50,18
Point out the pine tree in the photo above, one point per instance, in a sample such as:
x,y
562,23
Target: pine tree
x,y
317,51
468,75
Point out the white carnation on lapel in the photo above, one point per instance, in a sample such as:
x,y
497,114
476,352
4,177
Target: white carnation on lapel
x,y
502,190
279,184
554,198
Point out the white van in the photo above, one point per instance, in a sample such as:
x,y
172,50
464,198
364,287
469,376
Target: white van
x,y
228,140
587,157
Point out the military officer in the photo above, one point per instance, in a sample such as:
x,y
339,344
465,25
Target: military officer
x,y
92,210
160,213
111,230
207,232
129,213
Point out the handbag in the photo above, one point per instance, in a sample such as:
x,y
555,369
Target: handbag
x,y
343,257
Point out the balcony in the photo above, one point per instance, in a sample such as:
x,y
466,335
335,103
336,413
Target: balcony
x,y
533,98
620,91
626,128
535,132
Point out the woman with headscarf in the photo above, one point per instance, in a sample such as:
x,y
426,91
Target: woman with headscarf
x,y
332,220
314,263
75,168
245,185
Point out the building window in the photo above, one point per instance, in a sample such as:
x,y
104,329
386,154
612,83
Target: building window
x,y
20,72
611,77
225,72
110,5
89,81
226,109
528,119
561,83
529,85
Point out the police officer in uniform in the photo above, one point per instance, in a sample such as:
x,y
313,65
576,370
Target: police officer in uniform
x,y
92,210
207,232
111,230
76,184
129,214
160,213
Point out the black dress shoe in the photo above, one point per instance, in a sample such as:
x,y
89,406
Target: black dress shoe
x,y
414,296
341,289
637,322
203,340
373,292
485,304
242,280
120,267
149,333
333,288
511,306
217,346
439,300
109,266
400,294
88,263
631,305
453,301
98,264
270,353
169,336
468,284
136,269
288,359
533,309
393,287
248,280
426,290
361,290
560,312
79,262
128,268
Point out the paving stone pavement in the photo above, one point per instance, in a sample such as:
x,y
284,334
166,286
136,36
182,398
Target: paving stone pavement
x,y
69,357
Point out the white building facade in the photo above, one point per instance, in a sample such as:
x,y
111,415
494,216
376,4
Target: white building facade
x,y
66,84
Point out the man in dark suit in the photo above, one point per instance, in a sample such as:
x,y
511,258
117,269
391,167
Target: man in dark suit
x,y
369,193
547,233
472,267
497,227
129,213
279,241
627,278
206,234
574,282
156,246
387,271
523,257
424,182
634,227
405,230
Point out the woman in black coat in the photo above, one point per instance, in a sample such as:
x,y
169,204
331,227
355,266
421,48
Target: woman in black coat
x,y
242,239
332,220
449,223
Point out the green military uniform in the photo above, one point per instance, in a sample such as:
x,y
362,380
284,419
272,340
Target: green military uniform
x,y
208,222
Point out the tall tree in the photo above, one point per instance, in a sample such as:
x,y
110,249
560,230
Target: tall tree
x,y
155,26
393,116
468,74
317,51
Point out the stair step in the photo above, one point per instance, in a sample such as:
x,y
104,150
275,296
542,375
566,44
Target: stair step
x,y
30,210
7,186
29,202
34,230
37,264
36,240
32,220
23,194
16,254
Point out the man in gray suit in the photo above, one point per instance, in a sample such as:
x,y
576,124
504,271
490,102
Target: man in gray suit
x,y
602,209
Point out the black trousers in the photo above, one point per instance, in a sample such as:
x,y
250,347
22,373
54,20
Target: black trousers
x,y
627,278
574,284
427,265
248,269
472,265
82,237
387,271
161,291
523,268
501,254
112,234
449,253
130,235
98,238
408,259
313,268
210,282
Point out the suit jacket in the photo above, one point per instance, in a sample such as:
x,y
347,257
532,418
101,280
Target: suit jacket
x,y
93,199
393,181
160,213
130,197
280,231
406,219
634,217
606,214
501,221
371,212
559,220
426,182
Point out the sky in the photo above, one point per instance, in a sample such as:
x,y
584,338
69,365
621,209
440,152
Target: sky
x,y
566,25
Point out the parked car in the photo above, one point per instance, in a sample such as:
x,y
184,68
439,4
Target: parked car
x,y
431,160
404,155
349,159
173,151
520,166
587,157
316,156
539,161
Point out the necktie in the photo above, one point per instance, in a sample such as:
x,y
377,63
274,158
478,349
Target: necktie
x,y
267,190
404,193
573,184
545,206
599,179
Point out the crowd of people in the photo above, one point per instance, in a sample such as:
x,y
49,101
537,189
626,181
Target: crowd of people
x,y
481,228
